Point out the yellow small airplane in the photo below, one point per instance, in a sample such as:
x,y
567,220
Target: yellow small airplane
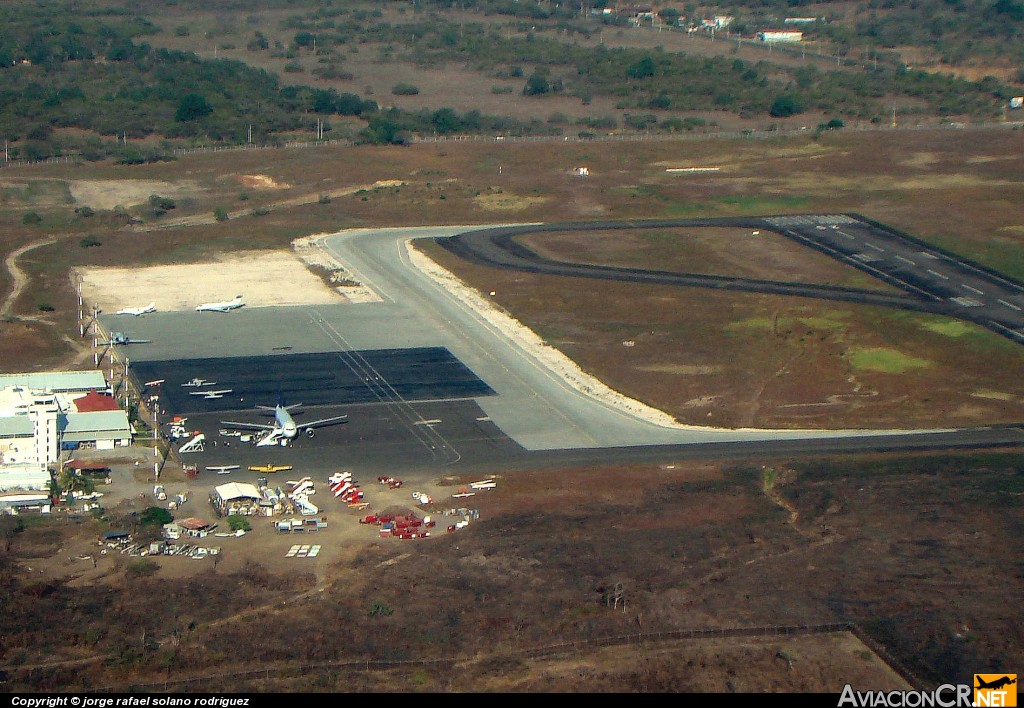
x,y
270,468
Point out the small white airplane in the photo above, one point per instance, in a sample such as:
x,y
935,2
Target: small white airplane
x,y
223,469
221,306
284,429
151,307
211,394
195,383
119,338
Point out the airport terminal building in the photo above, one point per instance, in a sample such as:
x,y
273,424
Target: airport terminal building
x,y
42,414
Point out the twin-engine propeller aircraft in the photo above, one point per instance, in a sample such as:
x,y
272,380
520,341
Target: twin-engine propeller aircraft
x,y
284,429
136,311
221,306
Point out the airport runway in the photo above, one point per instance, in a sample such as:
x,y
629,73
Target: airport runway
x,y
428,384
933,280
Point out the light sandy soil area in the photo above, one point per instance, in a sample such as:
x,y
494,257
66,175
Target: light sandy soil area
x,y
112,193
257,276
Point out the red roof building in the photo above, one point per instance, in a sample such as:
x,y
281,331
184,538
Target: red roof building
x,y
194,524
94,401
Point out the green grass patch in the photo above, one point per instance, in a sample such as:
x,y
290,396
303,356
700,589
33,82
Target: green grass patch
x,y
1002,255
885,360
827,321
949,328
678,210
744,203
38,192
633,191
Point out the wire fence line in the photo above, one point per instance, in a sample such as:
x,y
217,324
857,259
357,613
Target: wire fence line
x,y
614,137
582,644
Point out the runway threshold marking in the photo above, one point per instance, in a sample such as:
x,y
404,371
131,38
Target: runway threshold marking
x,y
938,275
1009,304
973,290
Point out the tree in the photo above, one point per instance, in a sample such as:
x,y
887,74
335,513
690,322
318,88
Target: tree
x,y
238,522
446,120
669,15
155,516
785,106
641,69
537,84
192,107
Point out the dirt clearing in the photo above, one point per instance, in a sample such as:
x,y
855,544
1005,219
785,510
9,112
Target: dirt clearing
x,y
259,276
111,193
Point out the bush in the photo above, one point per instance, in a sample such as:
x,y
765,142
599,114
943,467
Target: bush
x,y
89,242
192,107
260,211
31,218
85,211
785,106
537,85
380,609
325,198
45,307
238,522
220,214
155,516
404,90
161,205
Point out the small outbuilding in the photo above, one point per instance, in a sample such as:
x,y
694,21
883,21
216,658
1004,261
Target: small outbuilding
x,y
195,527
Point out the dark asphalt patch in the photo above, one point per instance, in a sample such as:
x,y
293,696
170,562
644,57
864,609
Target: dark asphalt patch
x,y
312,379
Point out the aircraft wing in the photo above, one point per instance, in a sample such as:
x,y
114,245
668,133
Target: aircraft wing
x,y
247,426
321,422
